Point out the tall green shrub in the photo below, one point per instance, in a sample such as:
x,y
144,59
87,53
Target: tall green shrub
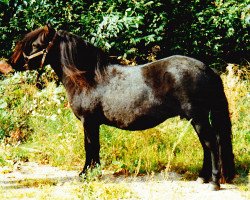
x,y
212,31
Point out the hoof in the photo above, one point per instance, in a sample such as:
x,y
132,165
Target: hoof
x,y
214,186
201,180
83,174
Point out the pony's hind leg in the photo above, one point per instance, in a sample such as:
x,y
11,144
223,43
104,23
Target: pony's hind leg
x,y
206,171
209,142
92,145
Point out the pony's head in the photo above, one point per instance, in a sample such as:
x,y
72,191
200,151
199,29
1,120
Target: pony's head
x,y
70,56
31,51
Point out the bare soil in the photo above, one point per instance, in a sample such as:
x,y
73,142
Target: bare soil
x,y
27,177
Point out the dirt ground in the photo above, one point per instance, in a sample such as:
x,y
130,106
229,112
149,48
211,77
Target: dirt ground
x,y
158,186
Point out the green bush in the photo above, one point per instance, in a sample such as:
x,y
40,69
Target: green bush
x,y
215,32
212,31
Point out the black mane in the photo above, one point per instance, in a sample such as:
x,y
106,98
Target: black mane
x,y
81,61
80,54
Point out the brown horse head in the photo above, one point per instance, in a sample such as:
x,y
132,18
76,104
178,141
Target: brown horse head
x,y
29,52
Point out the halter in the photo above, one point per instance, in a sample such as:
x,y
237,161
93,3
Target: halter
x,y
42,52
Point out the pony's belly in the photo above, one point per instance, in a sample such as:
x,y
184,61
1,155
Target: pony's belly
x,y
132,122
142,124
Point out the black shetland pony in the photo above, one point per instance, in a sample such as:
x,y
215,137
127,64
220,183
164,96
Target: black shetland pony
x,y
135,98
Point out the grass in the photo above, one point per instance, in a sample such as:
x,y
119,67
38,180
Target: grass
x,y
37,125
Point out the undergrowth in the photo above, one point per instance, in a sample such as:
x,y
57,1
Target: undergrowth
x,y
38,125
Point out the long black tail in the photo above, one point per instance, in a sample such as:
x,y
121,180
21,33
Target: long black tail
x,y
221,122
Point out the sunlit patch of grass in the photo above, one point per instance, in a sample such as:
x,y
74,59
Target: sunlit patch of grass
x,y
59,142
151,150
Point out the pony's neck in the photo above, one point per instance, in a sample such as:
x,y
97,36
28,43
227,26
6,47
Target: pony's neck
x,y
55,63
71,77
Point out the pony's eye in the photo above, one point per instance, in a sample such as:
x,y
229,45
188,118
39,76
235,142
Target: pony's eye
x,y
35,46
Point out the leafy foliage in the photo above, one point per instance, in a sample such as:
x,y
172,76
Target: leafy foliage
x,y
212,31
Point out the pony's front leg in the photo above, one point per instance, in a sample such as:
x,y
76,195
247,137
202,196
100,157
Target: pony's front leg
x,y
92,144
